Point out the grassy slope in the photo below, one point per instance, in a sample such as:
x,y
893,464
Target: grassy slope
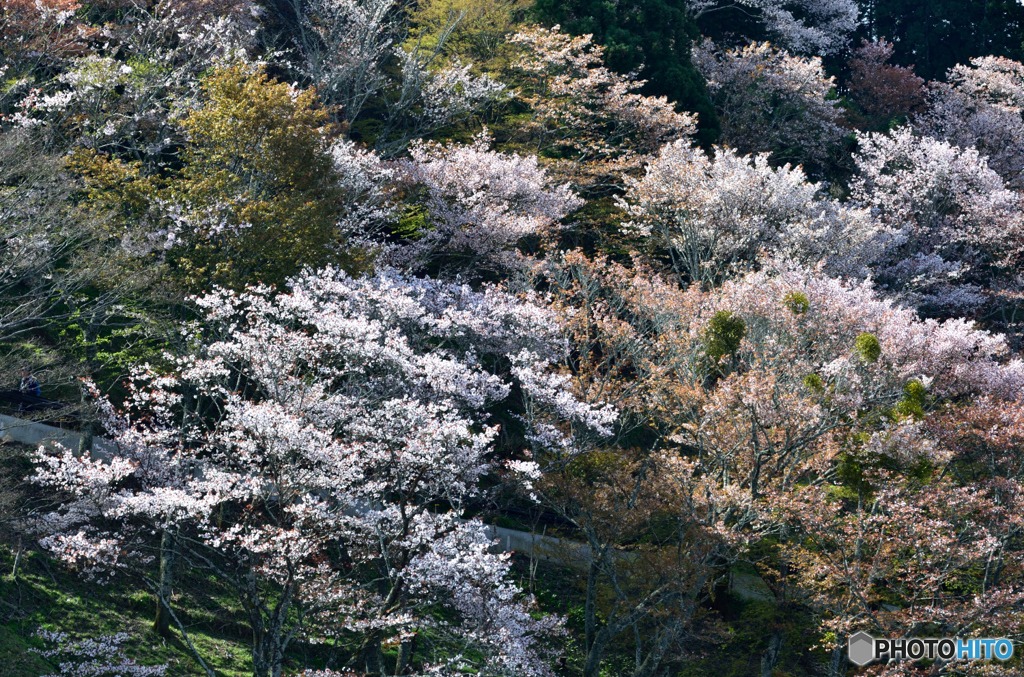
x,y
47,596
732,649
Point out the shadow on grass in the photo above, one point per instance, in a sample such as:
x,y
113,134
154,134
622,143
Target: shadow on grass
x,y
45,595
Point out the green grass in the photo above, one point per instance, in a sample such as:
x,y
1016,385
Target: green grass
x,y
733,633
15,658
47,596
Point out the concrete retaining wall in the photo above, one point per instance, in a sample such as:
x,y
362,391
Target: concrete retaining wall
x,y
544,548
538,546
34,434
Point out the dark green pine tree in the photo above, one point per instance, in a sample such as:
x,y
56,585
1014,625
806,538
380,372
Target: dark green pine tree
x,y
652,36
935,35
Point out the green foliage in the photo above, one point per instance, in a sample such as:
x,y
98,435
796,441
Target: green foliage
x,y
724,334
257,159
109,346
935,35
595,465
913,400
17,658
48,596
649,36
509,522
814,383
850,469
115,188
867,346
748,628
839,492
797,302
256,199
412,221
480,32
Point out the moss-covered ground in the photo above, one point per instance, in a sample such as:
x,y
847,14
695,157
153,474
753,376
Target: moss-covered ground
x,y
45,595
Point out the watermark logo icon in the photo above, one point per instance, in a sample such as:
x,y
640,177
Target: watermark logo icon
x,y
862,649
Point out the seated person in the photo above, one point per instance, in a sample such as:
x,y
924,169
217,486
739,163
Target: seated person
x,y
29,384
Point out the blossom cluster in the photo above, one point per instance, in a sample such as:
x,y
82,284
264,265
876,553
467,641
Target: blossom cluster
x,y
362,409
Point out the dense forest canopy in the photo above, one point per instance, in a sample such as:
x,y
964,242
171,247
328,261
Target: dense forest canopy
x,y
509,338
651,38
935,36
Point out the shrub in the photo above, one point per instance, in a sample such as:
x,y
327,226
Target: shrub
x,y
868,347
797,302
724,333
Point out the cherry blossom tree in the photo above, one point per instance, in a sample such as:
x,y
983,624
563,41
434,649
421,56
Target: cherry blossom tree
x,y
351,53
716,215
649,516
99,657
130,103
904,555
958,223
770,101
59,268
729,398
817,424
985,437
479,204
345,45
242,13
657,548
920,531
260,188
811,354
315,453
807,26
980,107
39,32
587,113
367,186
883,91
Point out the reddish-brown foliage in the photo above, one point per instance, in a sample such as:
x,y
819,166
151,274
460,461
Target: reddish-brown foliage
x,y
41,27
883,91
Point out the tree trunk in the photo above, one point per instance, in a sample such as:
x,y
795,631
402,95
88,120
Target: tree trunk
x,y
404,656
164,590
655,655
260,660
595,653
17,560
589,606
371,655
770,657
267,656
838,662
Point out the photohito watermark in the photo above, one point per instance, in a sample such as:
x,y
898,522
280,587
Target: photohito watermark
x,y
864,649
